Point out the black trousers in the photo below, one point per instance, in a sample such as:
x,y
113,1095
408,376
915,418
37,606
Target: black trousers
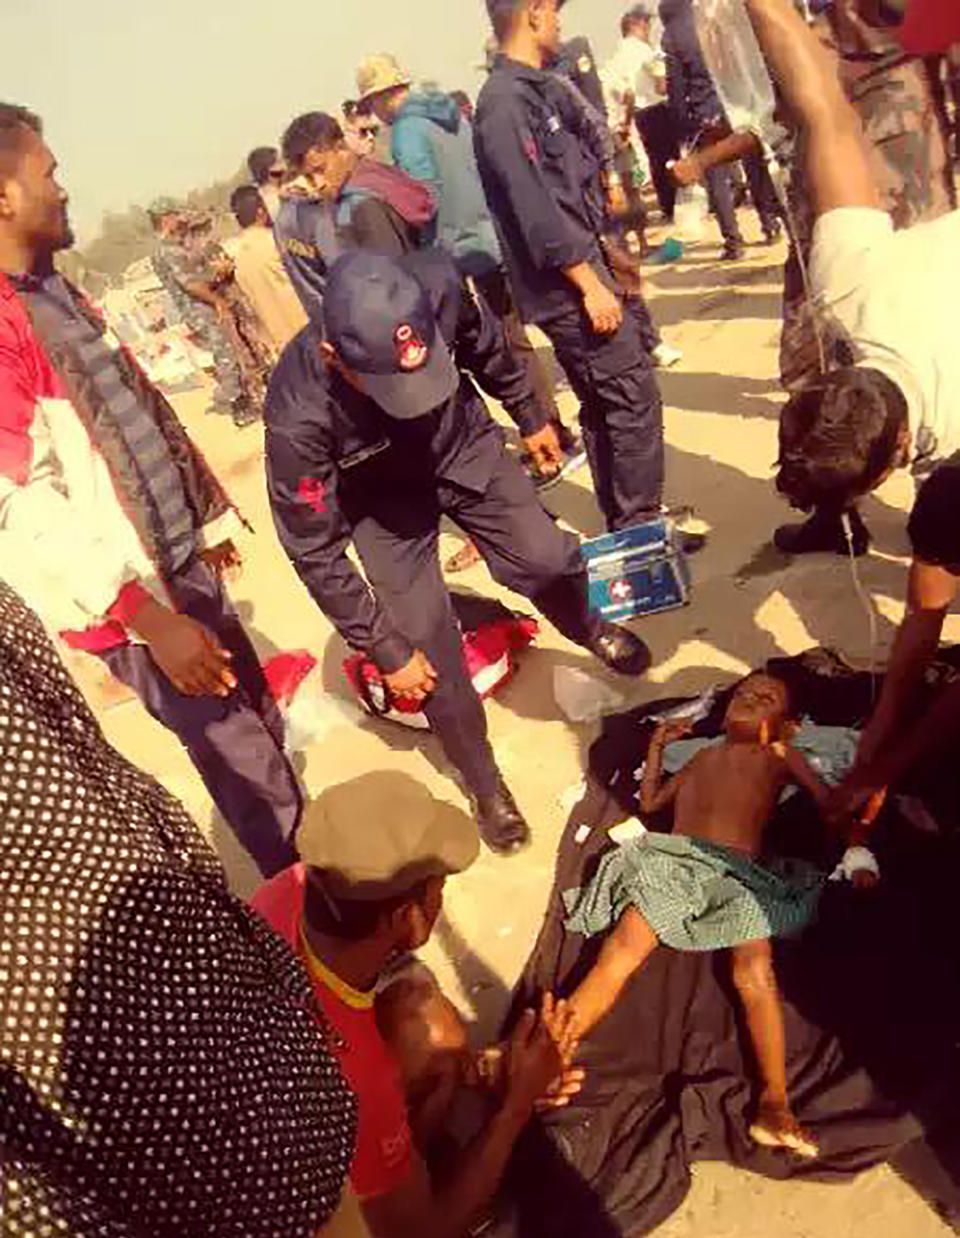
x,y
649,334
719,182
621,413
524,550
495,289
762,191
658,132
236,742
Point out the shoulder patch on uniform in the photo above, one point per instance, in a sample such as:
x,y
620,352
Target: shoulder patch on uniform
x,y
312,493
299,248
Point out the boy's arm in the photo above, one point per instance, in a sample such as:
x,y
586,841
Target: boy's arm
x,y
800,771
653,796
835,158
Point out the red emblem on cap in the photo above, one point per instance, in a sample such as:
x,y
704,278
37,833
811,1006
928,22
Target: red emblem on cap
x,y
411,350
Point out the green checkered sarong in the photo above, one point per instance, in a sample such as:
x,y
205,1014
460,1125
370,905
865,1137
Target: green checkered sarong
x,y
696,895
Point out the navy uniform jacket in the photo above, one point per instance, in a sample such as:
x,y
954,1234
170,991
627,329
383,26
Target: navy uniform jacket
x,y
311,234
541,162
691,93
577,62
334,458
306,236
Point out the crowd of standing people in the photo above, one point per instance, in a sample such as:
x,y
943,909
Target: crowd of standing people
x,y
170,1066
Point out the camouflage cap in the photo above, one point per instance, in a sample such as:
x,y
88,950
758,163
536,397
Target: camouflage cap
x,y
163,206
379,835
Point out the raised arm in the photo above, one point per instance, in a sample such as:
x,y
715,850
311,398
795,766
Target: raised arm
x,y
654,797
834,152
798,770
931,591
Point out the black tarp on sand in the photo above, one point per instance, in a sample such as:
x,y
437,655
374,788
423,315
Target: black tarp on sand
x,y
872,999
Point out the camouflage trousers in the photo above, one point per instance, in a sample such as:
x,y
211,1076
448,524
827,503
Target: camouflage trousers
x,y
239,380
903,117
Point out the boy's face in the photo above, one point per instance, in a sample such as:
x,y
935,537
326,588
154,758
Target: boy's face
x,y
759,703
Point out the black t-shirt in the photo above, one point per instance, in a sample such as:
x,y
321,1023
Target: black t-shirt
x,y
376,226
934,525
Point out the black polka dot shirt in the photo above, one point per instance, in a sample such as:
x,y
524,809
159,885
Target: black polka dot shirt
x,y
162,1071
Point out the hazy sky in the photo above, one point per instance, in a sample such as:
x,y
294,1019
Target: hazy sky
x,y
142,97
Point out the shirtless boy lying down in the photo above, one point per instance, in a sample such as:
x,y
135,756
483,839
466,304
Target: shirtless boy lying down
x,y
703,887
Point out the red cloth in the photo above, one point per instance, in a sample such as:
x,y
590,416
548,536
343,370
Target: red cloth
x,y
113,633
286,672
26,376
384,1153
411,199
930,26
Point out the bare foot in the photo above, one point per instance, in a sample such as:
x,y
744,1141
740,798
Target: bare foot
x,y
776,1127
465,558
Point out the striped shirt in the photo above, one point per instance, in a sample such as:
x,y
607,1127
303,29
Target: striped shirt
x,y
158,476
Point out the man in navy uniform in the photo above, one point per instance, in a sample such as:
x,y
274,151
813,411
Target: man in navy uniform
x,y
374,431
542,167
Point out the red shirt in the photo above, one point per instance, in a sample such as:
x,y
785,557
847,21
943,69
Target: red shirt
x,y
384,1151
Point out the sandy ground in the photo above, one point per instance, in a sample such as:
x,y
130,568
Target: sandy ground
x,y
722,404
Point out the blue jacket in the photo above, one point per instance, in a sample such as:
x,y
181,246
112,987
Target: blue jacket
x,y
691,93
432,142
306,236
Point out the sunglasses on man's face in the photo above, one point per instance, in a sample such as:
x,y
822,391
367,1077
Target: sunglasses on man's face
x,y
276,174
368,131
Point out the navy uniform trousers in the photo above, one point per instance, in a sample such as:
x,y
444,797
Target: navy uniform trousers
x,y
621,411
236,742
523,549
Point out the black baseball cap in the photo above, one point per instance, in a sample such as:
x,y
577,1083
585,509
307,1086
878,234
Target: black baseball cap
x,y
380,320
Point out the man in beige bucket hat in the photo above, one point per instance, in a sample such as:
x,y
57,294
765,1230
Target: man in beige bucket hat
x,y
380,73
432,141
